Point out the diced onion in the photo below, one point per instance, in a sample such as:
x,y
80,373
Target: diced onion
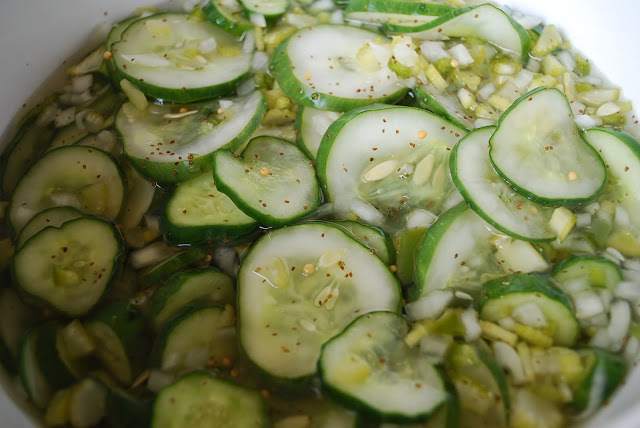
x,y
508,358
430,306
472,329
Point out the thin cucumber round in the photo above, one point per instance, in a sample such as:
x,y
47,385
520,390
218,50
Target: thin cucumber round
x,y
455,253
538,150
376,239
68,268
301,285
490,197
369,367
316,67
155,55
484,22
15,319
140,195
194,338
54,216
228,15
159,272
597,271
311,125
170,145
501,297
273,181
266,8
443,104
189,286
198,213
201,399
604,372
81,177
394,12
380,163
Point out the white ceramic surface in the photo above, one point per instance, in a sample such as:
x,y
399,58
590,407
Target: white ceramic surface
x,y
36,36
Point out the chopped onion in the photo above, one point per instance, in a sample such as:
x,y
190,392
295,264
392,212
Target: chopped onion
x,y
607,109
420,218
433,51
529,314
486,91
461,54
567,60
472,329
435,347
430,306
619,324
226,259
508,359
587,304
150,255
81,84
260,61
258,20
158,380
65,117
337,17
323,5
366,212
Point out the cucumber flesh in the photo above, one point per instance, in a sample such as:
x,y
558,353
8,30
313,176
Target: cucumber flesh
x,y
301,285
538,150
54,217
311,124
371,368
490,197
228,15
266,8
155,56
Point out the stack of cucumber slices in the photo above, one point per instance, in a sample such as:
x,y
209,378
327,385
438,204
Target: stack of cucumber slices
x,y
323,214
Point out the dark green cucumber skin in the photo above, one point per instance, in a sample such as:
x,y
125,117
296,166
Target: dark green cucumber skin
x,y
535,198
525,38
280,67
522,283
427,102
179,95
127,411
406,8
133,331
237,28
577,258
391,250
43,303
615,369
358,405
261,216
46,351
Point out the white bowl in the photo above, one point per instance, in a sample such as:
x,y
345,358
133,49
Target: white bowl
x,y
36,37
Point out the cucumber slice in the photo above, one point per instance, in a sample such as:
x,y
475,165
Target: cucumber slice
x,y
604,373
105,140
311,125
168,146
266,8
443,104
374,238
405,242
480,383
538,150
501,297
394,12
113,37
122,341
455,253
70,134
484,22
369,367
87,403
15,319
330,78
199,398
399,167
85,178
198,213
54,216
178,59
125,410
159,272
621,154
228,15
31,376
301,285
596,271
140,193
194,338
273,181
490,197
68,268
28,144
187,287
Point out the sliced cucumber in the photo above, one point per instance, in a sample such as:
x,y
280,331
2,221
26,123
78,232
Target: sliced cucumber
x,y
28,144
369,367
621,154
502,297
85,178
68,268
604,373
70,134
455,253
273,181
311,125
140,193
596,271
490,197
194,338
198,213
105,140
443,104
538,150
316,67
87,403
187,287
122,341
179,59
169,146
15,319
382,163
266,8
228,15
126,410
405,242
198,399
55,217
484,22
394,12
376,239
159,272
33,379
301,285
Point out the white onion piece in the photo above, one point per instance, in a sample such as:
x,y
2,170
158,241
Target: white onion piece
x,y
430,306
